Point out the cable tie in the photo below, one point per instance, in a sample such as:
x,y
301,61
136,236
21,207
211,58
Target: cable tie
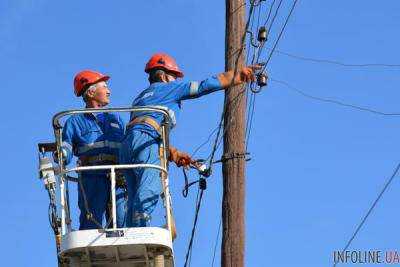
x,y
235,155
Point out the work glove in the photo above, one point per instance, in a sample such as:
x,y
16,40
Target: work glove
x,y
180,158
244,75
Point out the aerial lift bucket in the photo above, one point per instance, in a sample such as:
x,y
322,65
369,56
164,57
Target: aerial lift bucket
x,y
116,247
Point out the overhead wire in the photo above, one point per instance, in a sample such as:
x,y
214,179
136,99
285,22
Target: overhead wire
x,y
251,120
365,217
234,101
251,106
269,12
275,15
280,34
212,154
219,137
332,101
204,143
219,129
216,241
252,100
256,59
254,52
335,62
199,198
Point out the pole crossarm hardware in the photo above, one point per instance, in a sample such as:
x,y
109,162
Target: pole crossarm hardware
x,y
234,155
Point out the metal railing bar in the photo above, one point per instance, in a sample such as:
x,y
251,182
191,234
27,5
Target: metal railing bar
x,y
109,167
58,116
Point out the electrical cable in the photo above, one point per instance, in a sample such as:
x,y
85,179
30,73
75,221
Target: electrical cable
x,y
275,15
280,35
251,120
217,140
256,54
211,157
204,143
251,106
253,52
216,241
371,209
269,13
258,16
333,101
198,206
248,128
250,109
335,62
190,250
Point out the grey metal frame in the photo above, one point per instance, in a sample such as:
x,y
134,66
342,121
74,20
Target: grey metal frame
x,y
163,167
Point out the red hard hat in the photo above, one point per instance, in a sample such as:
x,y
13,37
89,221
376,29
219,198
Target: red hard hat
x,y
86,78
163,61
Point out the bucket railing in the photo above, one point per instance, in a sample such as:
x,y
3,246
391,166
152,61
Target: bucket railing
x,y
64,178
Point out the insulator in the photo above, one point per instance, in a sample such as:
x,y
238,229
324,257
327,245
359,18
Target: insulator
x,y
262,79
262,34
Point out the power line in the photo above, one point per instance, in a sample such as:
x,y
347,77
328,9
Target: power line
x,y
215,146
205,142
211,157
216,241
251,119
233,101
371,209
199,198
258,16
269,12
219,138
275,14
333,101
251,102
334,62
280,34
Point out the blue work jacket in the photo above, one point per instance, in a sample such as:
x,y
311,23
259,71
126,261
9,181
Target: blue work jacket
x,y
92,135
170,95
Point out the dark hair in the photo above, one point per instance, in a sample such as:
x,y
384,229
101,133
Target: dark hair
x,y
155,75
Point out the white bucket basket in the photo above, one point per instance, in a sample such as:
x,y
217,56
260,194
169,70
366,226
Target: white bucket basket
x,y
119,247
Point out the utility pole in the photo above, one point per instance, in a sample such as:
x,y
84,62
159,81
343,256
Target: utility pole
x,y
233,168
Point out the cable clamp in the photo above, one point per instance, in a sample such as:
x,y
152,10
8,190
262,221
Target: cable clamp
x,y
235,155
202,183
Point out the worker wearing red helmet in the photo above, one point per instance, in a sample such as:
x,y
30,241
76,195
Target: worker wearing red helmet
x,y
141,143
95,138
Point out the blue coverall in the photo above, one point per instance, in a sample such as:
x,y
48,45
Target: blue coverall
x,y
141,143
89,135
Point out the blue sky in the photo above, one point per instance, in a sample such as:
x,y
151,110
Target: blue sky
x,y
315,169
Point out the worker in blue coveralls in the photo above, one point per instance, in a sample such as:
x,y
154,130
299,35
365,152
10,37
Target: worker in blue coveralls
x,y
95,138
141,143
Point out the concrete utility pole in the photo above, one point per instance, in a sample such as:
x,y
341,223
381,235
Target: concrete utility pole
x,y
233,167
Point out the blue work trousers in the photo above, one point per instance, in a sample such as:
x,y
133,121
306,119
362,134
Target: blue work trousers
x,y
144,184
97,188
